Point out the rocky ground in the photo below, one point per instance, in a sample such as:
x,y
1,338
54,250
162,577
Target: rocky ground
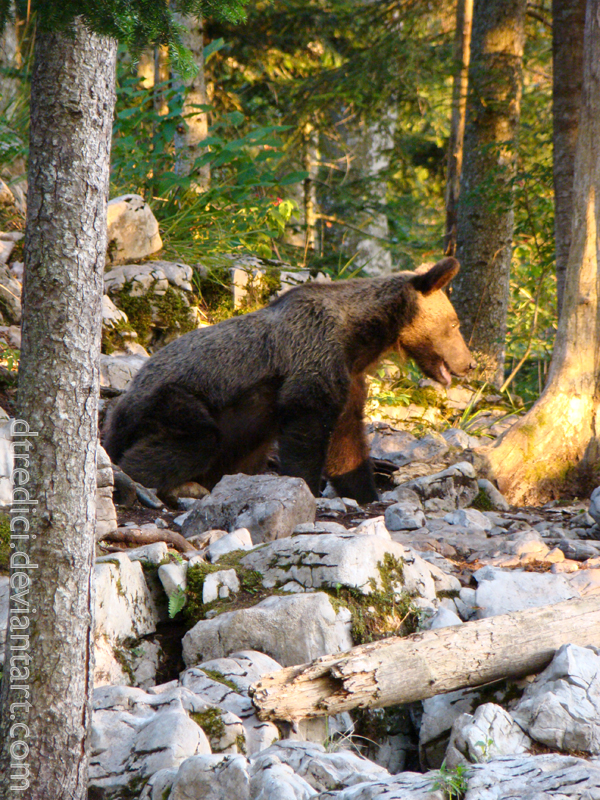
x,y
260,575
277,578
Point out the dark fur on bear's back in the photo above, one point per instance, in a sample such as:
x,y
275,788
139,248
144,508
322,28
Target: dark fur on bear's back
x,y
213,401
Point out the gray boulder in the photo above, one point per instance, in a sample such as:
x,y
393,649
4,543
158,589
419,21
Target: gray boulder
x,y
562,707
456,486
269,506
292,630
132,229
487,734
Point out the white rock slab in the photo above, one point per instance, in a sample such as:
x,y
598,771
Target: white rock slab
x,y
124,606
218,585
292,630
534,778
500,592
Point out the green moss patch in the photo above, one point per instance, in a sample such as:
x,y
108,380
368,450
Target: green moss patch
x,y
211,723
4,543
251,588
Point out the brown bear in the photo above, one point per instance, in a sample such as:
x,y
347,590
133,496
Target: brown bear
x,y
215,400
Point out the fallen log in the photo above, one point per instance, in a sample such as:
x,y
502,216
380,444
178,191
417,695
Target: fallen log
x,y
401,670
141,537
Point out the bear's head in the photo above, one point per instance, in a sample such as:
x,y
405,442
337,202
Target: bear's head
x,y
433,338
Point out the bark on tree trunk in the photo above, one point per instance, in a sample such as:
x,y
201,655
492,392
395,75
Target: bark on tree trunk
x,y
568,22
396,671
49,660
462,56
555,447
189,136
485,205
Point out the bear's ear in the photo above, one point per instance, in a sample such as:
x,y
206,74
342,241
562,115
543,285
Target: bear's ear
x,y
436,277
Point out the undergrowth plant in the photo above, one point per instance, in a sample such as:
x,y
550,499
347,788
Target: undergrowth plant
x,y
243,210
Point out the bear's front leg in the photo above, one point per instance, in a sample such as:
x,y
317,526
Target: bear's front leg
x,y
348,465
306,415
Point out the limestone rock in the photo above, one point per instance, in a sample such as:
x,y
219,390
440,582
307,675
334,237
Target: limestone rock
x,y
112,316
312,628
240,539
562,707
457,485
594,509
212,777
10,295
534,778
349,559
322,770
124,605
153,275
132,230
497,500
117,371
487,734
471,519
500,592
404,516
219,585
173,577
269,506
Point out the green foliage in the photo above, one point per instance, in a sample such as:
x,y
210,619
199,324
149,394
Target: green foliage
x,y
135,23
177,601
4,543
453,782
243,210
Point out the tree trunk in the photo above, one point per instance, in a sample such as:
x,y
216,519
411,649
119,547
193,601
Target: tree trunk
x,y
49,660
161,76
395,671
485,205
568,22
462,56
190,134
9,58
370,144
555,447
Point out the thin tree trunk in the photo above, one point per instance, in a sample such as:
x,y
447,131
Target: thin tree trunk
x,y
568,22
9,60
401,670
161,76
462,56
485,205
189,136
555,447
49,660
310,157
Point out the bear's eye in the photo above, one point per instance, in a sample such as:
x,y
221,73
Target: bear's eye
x,y
455,324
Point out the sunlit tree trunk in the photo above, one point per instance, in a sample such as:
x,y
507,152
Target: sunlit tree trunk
x,y
568,19
556,446
189,136
462,56
161,76
48,666
485,205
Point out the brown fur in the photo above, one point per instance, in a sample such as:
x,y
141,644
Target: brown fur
x,y
213,401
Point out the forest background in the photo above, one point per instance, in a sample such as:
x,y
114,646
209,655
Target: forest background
x,y
325,145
